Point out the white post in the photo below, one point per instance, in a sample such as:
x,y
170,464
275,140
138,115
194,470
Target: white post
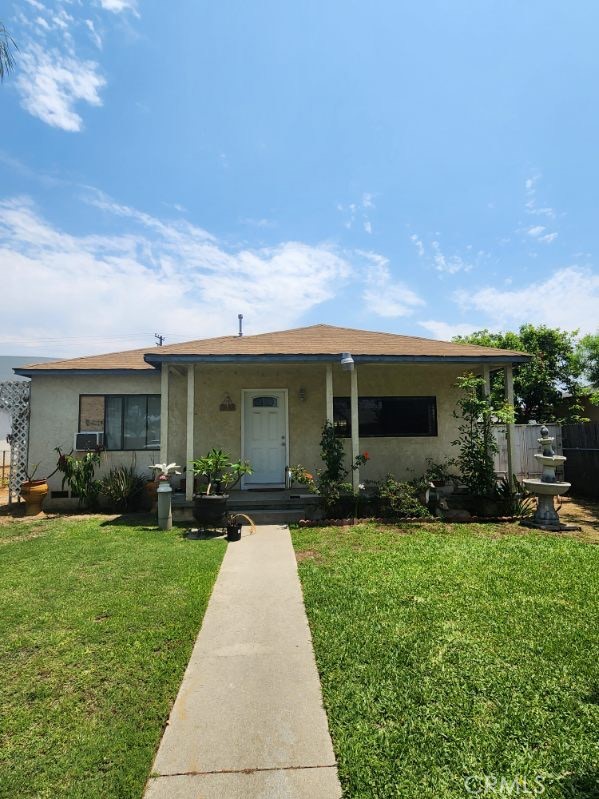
x,y
329,393
509,428
164,413
487,379
355,427
190,420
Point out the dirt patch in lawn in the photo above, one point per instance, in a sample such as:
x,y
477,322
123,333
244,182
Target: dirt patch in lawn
x,y
307,554
585,514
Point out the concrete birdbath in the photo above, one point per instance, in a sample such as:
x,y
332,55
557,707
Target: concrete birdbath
x,y
547,487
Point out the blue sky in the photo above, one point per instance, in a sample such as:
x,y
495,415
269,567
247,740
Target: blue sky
x,y
426,168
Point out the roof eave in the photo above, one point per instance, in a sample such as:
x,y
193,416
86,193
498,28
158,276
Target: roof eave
x,y
24,372
157,360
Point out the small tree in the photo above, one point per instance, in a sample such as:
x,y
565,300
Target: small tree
x,y
476,441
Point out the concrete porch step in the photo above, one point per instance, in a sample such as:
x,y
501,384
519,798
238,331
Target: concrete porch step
x,y
273,516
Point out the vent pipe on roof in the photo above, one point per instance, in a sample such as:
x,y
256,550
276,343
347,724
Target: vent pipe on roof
x,y
240,317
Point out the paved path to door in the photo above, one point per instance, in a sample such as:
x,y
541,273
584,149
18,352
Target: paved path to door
x,y
248,721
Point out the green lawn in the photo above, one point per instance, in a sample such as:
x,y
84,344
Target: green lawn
x,y
97,622
448,652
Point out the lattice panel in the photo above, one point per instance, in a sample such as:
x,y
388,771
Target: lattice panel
x,y
14,398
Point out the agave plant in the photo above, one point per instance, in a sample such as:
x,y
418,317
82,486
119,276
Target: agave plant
x,y
123,487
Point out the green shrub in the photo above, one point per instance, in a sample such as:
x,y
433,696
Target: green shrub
x,y
124,488
78,474
399,500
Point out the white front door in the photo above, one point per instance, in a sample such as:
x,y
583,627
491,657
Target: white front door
x,y
265,437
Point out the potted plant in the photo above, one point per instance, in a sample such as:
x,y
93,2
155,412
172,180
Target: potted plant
x,y
34,492
218,474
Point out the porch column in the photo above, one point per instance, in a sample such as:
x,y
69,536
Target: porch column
x,y
189,441
164,413
509,428
355,427
329,392
487,379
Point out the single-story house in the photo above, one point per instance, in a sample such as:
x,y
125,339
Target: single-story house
x,y
263,398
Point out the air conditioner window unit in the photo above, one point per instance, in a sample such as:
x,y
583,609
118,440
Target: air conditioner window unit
x,y
87,441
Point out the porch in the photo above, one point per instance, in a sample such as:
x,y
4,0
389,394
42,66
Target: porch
x,y
278,506
271,413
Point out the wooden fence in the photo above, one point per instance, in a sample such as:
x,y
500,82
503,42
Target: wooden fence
x,y
581,447
525,446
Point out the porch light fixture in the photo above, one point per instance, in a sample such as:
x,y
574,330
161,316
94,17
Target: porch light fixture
x,y
302,394
227,404
347,362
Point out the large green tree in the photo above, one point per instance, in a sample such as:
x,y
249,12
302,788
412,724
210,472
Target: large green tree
x,y
555,369
7,45
589,352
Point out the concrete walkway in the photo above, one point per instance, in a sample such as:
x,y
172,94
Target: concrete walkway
x,y
248,721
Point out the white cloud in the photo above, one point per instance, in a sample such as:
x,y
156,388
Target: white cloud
x,y
531,205
532,209
165,275
569,298
446,331
450,264
535,231
383,295
118,6
418,244
367,200
52,84
358,212
94,35
53,79
548,238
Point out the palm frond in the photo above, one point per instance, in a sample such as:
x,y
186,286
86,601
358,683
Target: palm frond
x,y
7,45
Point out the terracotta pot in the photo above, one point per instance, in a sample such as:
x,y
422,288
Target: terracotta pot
x,y
34,492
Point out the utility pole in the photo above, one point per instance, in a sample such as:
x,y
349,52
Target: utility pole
x,y
159,339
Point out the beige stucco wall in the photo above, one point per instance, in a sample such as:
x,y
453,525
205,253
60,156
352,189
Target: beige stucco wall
x,y
55,417
405,457
55,408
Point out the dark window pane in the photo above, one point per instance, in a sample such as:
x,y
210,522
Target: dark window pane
x,y
342,416
153,435
132,421
265,402
388,416
113,435
134,429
